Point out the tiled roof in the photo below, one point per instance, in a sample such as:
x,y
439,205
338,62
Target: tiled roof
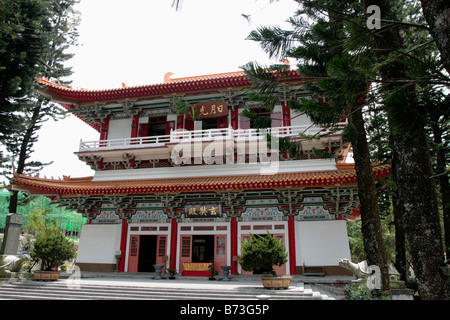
x,y
179,85
86,186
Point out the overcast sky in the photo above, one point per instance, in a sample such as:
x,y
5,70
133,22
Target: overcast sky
x,y
137,42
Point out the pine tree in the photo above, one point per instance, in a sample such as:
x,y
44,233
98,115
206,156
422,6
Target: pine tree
x,y
437,14
60,35
412,166
331,71
22,27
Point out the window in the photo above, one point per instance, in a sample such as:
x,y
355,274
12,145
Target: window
x,y
220,246
262,113
185,247
162,246
209,124
157,126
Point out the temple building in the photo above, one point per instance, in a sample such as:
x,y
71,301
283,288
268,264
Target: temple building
x,y
184,190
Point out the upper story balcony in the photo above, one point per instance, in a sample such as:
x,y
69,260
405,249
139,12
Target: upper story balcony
x,y
203,136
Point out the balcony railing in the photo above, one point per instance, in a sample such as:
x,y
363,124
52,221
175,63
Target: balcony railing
x,y
181,135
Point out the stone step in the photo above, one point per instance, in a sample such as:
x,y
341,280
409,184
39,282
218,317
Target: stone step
x,y
60,291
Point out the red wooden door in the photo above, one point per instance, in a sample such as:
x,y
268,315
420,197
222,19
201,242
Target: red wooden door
x,y
222,122
133,257
161,250
189,124
220,251
185,250
143,130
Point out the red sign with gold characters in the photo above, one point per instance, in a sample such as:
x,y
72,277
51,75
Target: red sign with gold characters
x,y
210,109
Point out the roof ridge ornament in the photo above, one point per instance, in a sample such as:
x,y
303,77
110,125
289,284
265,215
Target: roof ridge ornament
x,y
167,77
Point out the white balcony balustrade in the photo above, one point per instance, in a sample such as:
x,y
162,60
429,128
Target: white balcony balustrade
x,y
181,135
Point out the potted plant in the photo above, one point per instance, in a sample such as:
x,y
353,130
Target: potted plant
x,y
261,254
172,273
51,249
213,272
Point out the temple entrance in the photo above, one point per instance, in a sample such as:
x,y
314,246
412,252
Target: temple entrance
x,y
147,253
203,248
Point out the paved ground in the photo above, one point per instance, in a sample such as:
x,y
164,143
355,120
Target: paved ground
x,y
143,278
236,282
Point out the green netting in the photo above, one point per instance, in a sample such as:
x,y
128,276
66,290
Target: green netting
x,y
69,220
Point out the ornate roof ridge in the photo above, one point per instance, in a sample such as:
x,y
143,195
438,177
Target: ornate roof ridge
x,y
169,86
86,186
56,84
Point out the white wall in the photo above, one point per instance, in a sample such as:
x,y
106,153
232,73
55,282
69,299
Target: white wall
x,y
321,243
119,129
299,120
99,243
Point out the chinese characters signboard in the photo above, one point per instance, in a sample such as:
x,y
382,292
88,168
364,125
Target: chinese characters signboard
x,y
211,109
203,210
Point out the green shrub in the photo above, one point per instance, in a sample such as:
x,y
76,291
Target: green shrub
x,y
360,292
52,249
262,253
172,273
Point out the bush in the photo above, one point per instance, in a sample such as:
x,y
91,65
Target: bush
x,y
262,253
52,248
360,292
172,273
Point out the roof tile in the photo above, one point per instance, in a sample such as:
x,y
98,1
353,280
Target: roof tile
x,y
87,186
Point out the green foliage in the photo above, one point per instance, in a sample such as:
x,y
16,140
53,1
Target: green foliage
x,y
256,121
350,133
38,221
262,253
212,272
361,292
39,206
37,36
182,107
22,27
172,273
355,240
51,247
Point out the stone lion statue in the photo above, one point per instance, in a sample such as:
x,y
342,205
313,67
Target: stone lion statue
x,y
358,269
362,271
10,262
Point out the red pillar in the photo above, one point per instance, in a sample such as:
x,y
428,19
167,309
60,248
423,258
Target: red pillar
x,y
234,244
180,122
235,117
173,243
291,234
135,126
123,245
286,114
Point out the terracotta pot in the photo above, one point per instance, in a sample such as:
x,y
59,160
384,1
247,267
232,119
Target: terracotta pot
x,y
46,275
276,282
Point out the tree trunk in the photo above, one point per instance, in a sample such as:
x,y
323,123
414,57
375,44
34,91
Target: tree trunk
x,y
416,189
23,153
400,240
421,217
368,197
444,185
437,14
